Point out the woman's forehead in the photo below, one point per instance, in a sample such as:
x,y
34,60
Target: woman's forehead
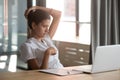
x,y
46,21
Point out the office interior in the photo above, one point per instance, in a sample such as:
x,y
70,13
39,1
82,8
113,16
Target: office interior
x,y
85,24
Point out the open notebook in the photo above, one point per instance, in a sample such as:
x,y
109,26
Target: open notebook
x,y
61,72
106,58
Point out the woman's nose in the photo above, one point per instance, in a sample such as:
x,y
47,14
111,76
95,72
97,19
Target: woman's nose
x,y
47,30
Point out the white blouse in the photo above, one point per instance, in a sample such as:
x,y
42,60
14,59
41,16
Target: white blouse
x,y
33,48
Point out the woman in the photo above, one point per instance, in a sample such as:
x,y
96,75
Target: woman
x,y
38,51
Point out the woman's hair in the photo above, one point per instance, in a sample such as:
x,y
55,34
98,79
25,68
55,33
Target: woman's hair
x,y
35,16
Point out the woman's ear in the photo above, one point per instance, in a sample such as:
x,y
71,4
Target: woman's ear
x,y
33,25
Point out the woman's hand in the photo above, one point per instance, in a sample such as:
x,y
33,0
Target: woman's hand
x,y
48,52
51,51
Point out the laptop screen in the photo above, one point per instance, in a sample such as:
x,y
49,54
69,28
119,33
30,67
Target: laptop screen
x,y
106,58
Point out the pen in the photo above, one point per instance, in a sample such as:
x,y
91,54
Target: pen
x,y
68,72
77,70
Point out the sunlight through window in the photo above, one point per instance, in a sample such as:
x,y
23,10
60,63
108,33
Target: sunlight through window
x,y
2,65
3,58
34,2
69,23
12,63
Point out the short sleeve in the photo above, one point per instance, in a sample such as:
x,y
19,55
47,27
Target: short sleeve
x,y
26,52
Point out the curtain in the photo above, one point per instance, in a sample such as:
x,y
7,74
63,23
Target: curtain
x,y
104,23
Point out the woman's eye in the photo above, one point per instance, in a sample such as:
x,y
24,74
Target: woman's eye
x,y
45,26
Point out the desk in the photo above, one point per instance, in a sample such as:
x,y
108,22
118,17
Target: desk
x,y
35,75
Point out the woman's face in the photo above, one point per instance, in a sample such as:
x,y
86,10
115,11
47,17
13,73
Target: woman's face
x,y
41,29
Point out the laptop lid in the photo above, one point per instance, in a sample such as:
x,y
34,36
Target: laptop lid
x,y
106,58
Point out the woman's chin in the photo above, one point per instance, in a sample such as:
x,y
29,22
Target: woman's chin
x,y
43,36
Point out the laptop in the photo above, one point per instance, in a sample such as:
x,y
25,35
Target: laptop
x,y
106,58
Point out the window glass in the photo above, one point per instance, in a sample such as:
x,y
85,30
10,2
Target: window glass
x,y
85,33
68,20
12,23
1,24
69,10
66,6
65,32
84,10
33,2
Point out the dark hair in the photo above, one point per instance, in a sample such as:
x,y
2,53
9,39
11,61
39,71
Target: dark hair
x,y
36,16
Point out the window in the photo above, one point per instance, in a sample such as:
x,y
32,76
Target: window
x,y
75,22
33,2
12,24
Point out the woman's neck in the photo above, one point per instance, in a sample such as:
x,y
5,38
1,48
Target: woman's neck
x,y
38,38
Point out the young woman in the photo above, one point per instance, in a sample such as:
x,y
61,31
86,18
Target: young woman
x,y
38,51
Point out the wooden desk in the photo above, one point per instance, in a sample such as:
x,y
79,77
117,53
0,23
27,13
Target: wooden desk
x,y
35,75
